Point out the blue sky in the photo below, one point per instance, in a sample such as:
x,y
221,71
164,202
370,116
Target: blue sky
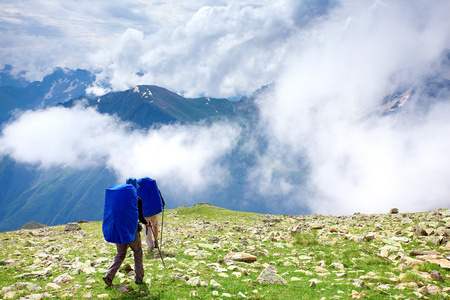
x,y
332,61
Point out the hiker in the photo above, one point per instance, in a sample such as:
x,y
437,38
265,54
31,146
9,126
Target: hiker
x,y
153,203
135,245
153,225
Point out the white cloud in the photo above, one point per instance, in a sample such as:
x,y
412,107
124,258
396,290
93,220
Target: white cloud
x,y
186,159
345,67
199,47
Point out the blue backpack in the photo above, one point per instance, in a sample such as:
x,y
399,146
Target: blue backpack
x,y
151,198
120,215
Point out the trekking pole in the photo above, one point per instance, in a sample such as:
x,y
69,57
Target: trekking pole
x,y
162,227
160,253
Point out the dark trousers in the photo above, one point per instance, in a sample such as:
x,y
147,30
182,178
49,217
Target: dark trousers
x,y
120,257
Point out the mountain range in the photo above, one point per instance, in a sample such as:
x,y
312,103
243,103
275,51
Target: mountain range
x,y
59,195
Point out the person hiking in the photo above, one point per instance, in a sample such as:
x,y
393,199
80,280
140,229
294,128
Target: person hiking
x,y
135,245
153,226
153,203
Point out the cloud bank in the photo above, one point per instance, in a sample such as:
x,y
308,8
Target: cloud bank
x,y
184,158
218,48
344,69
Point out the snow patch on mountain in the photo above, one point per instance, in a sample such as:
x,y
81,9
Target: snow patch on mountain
x,y
146,92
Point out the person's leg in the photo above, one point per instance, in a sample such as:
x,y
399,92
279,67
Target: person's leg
x,y
136,246
154,220
116,263
149,237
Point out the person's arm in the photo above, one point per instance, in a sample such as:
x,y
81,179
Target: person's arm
x,y
141,213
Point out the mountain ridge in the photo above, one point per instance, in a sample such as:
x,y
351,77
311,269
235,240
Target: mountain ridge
x,y
27,191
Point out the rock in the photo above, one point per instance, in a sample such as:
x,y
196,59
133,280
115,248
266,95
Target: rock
x,y
436,275
444,212
34,287
63,278
317,226
436,240
369,236
237,274
103,295
320,269
359,284
52,286
401,239
420,231
269,275
195,281
393,211
241,295
214,239
337,265
430,289
314,281
127,268
10,295
72,227
241,256
215,283
442,231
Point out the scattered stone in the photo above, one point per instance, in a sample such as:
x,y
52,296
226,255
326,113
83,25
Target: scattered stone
x,y
359,284
241,295
10,295
241,256
436,275
102,295
420,231
72,227
270,276
63,278
214,239
52,286
393,211
430,289
34,287
215,283
369,237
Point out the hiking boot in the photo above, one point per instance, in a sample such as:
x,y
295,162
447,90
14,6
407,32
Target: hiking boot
x,y
156,245
108,281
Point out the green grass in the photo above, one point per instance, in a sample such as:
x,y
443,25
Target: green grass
x,y
298,259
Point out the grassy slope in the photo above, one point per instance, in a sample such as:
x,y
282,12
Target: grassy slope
x,y
209,233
